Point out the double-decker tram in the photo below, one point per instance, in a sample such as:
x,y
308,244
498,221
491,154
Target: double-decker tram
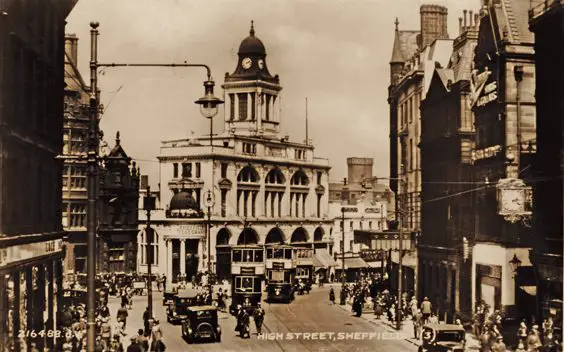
x,y
247,273
303,262
279,273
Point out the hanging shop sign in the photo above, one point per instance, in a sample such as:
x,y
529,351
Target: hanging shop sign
x,y
489,94
514,199
29,251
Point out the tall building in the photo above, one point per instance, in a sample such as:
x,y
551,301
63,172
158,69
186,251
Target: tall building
x,y
366,207
75,135
503,102
447,142
547,22
266,188
32,40
414,57
118,215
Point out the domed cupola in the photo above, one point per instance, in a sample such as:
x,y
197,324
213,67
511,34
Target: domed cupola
x,y
252,61
252,45
183,204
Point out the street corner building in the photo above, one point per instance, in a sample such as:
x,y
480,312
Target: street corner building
x,y
32,42
251,185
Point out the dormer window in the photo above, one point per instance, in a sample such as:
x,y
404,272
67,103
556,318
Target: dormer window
x,y
250,148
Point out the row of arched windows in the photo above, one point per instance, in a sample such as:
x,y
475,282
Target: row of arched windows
x,y
275,235
274,176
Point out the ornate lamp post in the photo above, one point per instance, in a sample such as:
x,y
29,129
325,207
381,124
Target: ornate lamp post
x,y
148,206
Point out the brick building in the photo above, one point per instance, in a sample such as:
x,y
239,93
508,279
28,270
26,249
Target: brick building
x,y
447,141
414,56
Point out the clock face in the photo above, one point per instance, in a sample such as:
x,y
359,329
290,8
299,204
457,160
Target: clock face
x,y
247,63
261,64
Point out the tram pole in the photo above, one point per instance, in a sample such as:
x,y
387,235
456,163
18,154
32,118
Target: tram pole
x,y
343,297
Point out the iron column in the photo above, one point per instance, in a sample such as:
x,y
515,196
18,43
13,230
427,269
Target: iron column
x,y
92,187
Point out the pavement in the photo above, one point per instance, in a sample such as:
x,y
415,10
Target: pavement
x,y
406,328
309,323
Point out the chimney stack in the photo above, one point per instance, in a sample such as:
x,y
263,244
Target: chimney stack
x,y
460,30
465,21
433,24
71,47
470,18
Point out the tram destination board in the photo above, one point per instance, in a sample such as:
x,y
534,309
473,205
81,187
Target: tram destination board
x,y
278,265
245,270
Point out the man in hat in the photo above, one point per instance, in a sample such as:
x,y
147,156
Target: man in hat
x,y
258,316
134,347
426,309
533,340
498,345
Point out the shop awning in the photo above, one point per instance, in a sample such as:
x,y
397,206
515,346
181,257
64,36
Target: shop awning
x,y
352,263
377,264
322,259
531,290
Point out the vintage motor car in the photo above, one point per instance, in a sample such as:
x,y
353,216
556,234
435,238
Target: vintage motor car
x,y
178,310
201,324
443,338
168,297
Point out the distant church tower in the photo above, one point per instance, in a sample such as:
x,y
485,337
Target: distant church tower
x,y
252,103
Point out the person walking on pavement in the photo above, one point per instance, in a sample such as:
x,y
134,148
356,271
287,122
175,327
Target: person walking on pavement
x,y
413,306
426,308
146,318
332,296
258,316
417,323
122,315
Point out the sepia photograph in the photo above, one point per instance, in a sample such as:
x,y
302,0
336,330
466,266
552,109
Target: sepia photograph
x,y
281,175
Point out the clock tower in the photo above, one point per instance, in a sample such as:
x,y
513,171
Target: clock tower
x,y
252,101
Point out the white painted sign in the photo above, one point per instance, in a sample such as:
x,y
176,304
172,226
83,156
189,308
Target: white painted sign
x,y
28,251
490,94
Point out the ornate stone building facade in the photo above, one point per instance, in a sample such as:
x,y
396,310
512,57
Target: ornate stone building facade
x,y
266,189
118,200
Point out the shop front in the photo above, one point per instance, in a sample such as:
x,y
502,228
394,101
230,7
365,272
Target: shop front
x,y
31,278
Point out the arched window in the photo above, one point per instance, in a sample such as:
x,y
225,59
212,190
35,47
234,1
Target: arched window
x,y
299,179
318,234
274,236
248,174
246,199
299,235
275,176
247,236
223,237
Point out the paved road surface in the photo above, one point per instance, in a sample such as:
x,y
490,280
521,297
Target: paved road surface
x,y
330,328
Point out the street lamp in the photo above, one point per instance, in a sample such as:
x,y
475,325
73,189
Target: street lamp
x,y
515,263
209,203
209,108
148,206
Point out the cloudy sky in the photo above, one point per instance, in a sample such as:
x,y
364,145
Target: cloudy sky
x,y
335,53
